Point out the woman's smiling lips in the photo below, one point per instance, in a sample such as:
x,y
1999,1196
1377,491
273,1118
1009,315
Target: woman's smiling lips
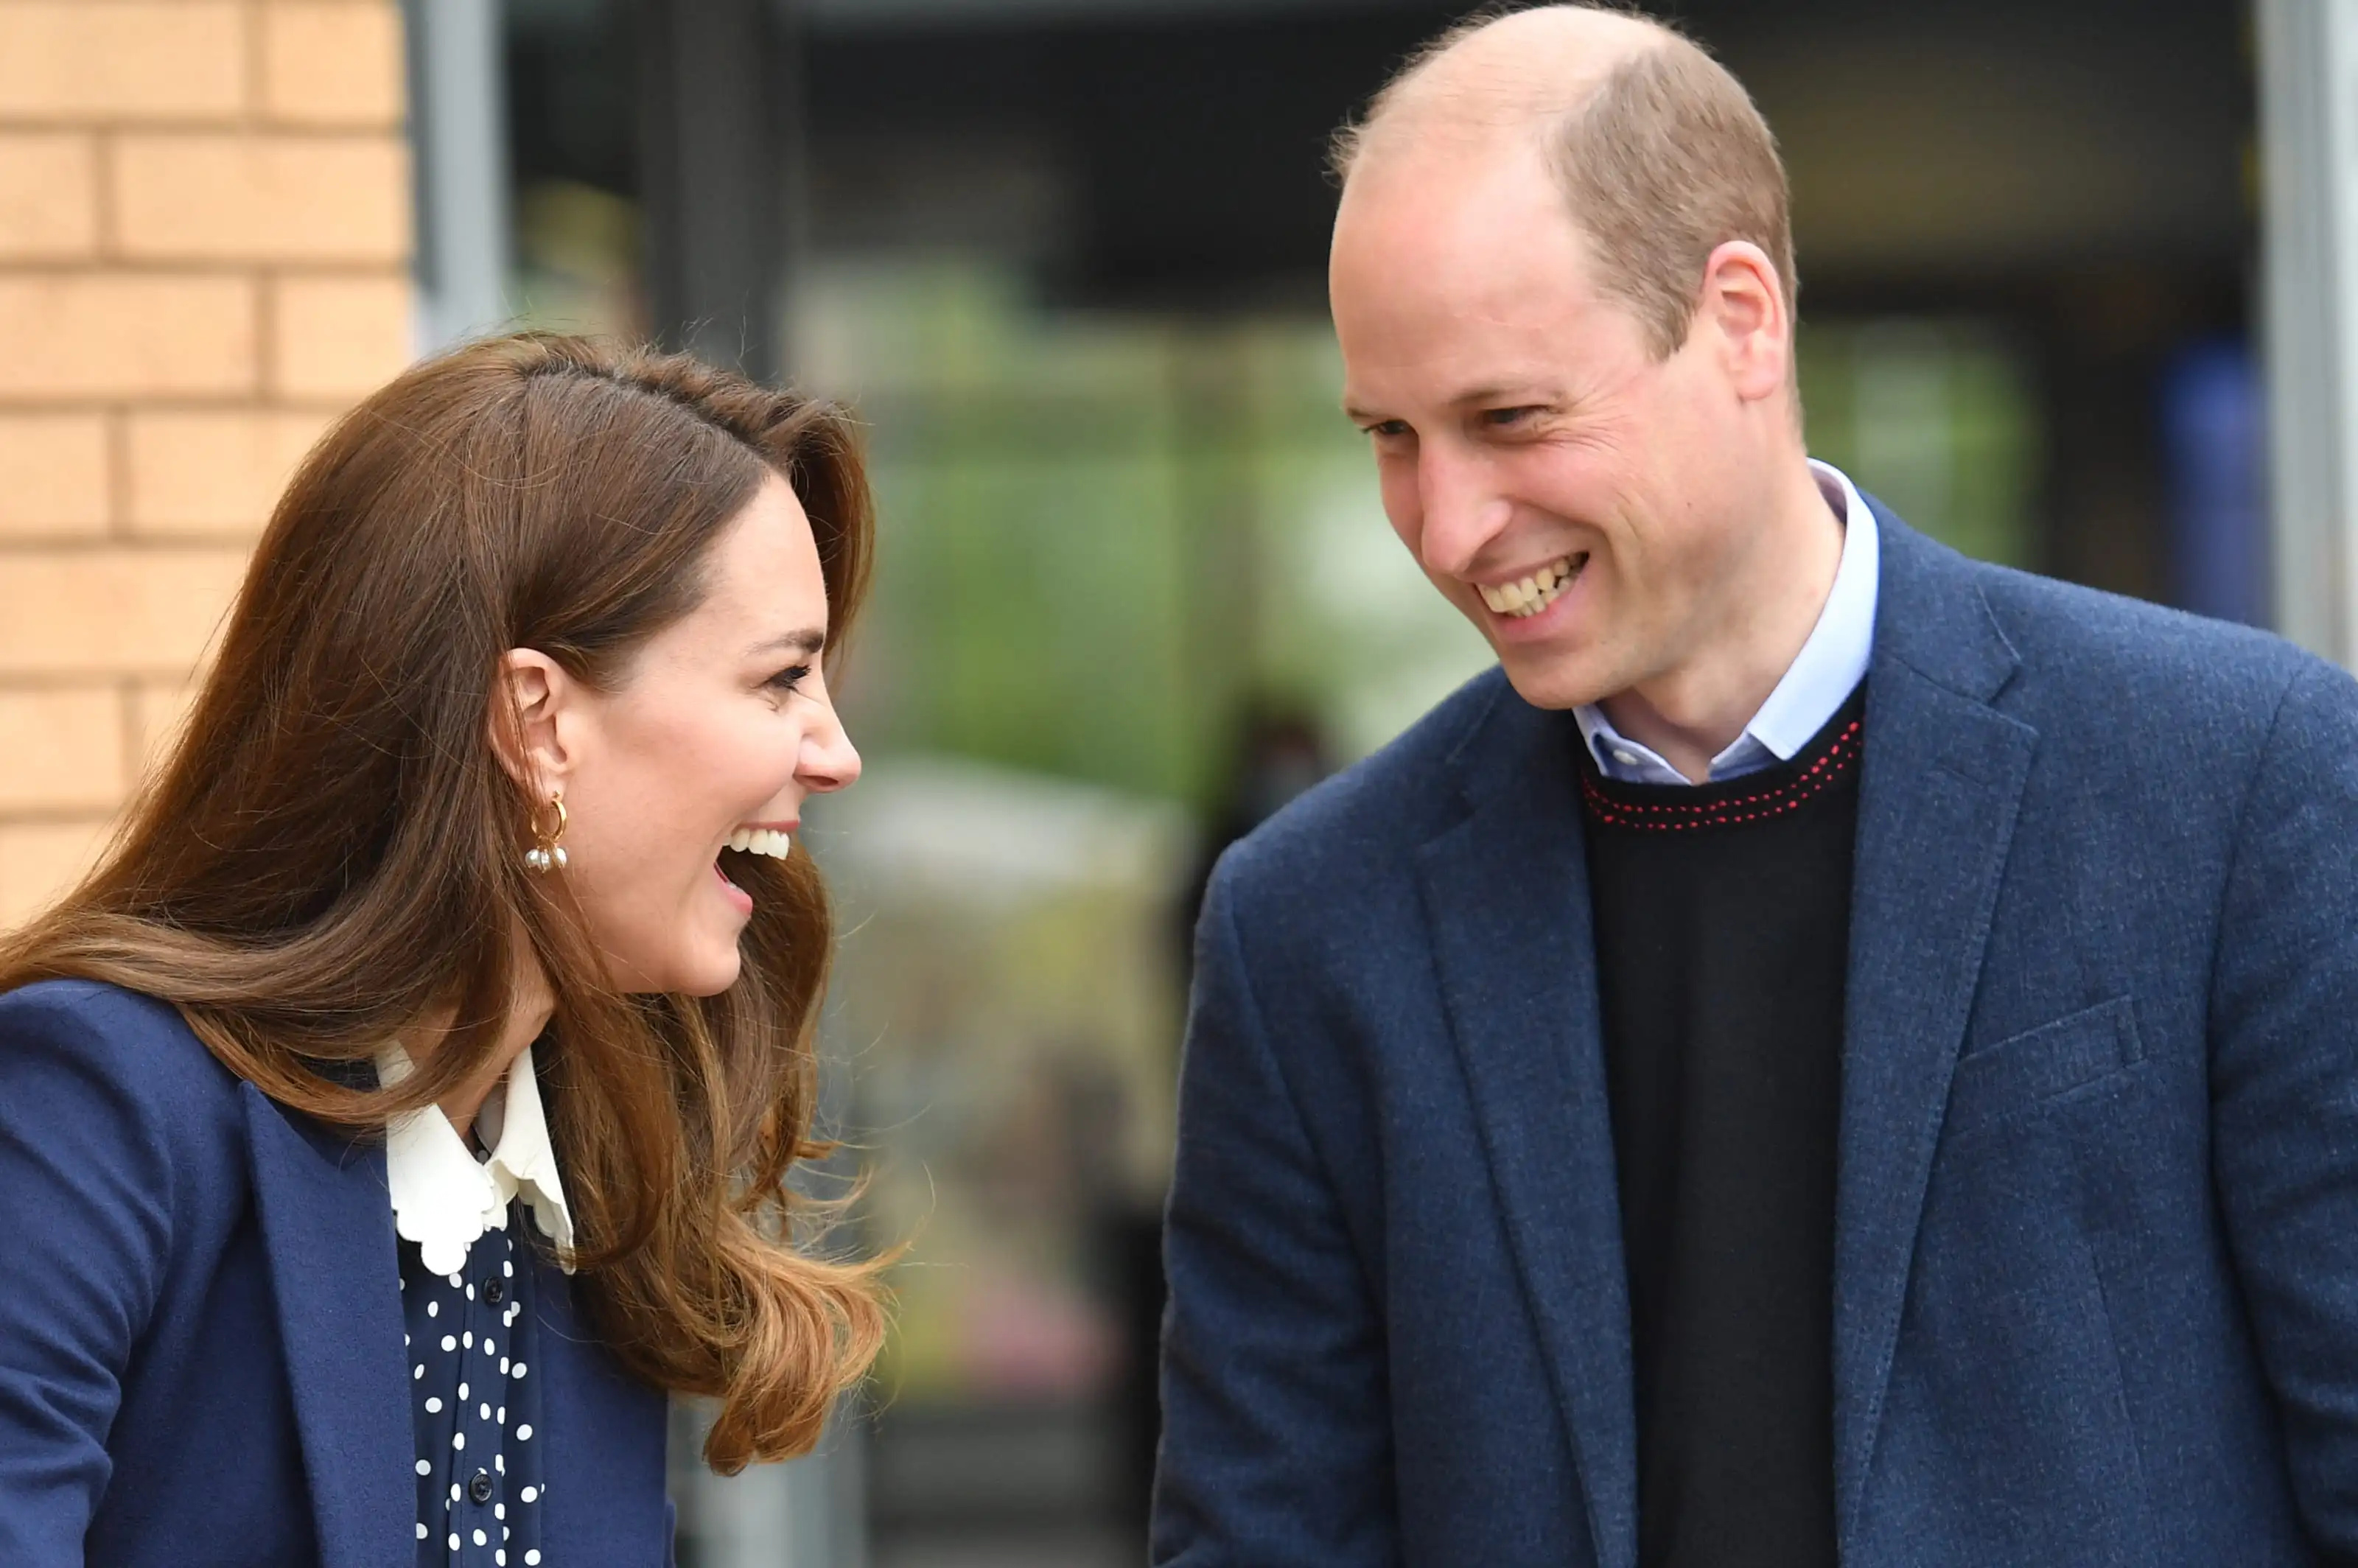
x,y
774,839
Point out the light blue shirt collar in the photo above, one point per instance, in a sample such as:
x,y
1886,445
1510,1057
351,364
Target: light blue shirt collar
x,y
1818,682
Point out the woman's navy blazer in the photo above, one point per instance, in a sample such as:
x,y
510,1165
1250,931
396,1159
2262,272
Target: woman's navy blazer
x,y
201,1358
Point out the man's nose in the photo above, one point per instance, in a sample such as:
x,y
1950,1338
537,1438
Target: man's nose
x,y
1463,510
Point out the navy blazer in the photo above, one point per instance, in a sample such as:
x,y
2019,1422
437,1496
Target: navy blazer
x,y
2096,1292
201,1330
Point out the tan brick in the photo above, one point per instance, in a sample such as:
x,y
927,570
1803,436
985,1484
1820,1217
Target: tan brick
x,y
125,59
332,64
206,197
338,338
39,861
112,611
101,336
158,710
53,475
213,472
48,196
63,750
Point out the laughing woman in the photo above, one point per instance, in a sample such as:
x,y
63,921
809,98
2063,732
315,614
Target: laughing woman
x,y
408,1099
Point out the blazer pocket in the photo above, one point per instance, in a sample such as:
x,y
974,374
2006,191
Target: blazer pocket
x,y
2026,1070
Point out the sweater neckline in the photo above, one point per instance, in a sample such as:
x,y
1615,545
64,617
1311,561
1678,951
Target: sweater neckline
x,y
1771,793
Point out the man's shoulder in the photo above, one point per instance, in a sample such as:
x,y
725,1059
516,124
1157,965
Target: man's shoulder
x,y
1368,817
2115,663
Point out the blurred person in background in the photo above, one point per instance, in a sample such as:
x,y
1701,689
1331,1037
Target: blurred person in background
x,y
408,1099
1834,1051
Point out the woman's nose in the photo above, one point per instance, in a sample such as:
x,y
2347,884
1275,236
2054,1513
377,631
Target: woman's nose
x,y
829,760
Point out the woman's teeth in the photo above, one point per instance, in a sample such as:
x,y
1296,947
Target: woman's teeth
x,y
761,841
1533,593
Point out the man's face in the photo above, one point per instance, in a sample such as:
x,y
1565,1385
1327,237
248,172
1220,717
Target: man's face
x,y
1582,503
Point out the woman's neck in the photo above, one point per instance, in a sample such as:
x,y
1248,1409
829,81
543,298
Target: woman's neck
x,y
529,1006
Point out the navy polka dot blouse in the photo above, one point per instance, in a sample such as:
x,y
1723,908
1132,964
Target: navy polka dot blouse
x,y
475,1404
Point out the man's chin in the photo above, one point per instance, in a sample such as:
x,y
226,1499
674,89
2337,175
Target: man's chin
x,y
1553,680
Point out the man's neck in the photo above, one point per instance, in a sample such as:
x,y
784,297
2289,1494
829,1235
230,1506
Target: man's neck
x,y
1691,714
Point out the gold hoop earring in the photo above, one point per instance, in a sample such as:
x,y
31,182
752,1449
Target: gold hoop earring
x,y
549,853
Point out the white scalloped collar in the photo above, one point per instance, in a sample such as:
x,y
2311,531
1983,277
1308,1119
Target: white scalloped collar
x,y
443,1197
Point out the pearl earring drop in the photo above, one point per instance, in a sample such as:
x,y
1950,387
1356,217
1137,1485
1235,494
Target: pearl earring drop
x,y
548,854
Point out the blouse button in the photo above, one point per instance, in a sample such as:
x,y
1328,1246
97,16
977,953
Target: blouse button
x,y
496,1291
480,1489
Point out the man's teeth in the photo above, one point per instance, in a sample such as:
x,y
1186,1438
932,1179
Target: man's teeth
x,y
761,841
1533,593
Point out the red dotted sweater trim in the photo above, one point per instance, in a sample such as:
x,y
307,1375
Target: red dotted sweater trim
x,y
1668,816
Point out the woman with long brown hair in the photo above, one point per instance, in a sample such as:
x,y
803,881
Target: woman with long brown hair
x,y
409,1098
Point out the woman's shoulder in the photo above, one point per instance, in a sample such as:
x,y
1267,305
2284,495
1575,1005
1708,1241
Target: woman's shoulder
x,y
89,1048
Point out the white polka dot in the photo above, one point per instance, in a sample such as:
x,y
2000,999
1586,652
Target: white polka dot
x,y
500,1463
489,1350
481,1540
523,1434
417,1372
499,1510
503,1368
405,1342
454,1496
503,1415
457,1440
508,1269
500,1559
434,1309
486,1410
421,1530
423,1468
454,1281
532,1557
529,1493
462,1390
468,1339
434,1404
519,1368
470,1296
454,1540
450,1342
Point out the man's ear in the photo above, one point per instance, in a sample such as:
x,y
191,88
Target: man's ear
x,y
531,715
1744,304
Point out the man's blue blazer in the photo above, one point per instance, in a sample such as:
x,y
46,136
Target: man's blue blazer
x,y
201,1361
2095,1292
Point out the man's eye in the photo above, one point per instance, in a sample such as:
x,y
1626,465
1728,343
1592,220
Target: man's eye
x,y
1387,429
1507,419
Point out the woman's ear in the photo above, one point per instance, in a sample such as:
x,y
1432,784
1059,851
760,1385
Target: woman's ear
x,y
531,704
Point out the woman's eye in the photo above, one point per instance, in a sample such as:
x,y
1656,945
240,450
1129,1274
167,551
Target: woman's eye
x,y
787,679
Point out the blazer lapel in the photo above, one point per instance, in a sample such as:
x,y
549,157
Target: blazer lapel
x,y
1506,894
1942,781
605,1433
327,1225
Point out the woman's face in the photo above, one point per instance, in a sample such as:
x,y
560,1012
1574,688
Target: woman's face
x,y
722,728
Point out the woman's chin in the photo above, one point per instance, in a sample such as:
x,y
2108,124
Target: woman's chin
x,y
710,975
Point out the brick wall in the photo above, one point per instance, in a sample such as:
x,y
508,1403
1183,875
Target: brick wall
x,y
204,231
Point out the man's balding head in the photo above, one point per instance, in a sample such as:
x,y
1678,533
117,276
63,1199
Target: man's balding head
x,y
1659,153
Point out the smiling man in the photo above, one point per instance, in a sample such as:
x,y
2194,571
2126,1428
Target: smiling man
x,y
1833,1052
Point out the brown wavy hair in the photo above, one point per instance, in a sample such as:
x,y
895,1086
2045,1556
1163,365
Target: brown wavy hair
x,y
331,856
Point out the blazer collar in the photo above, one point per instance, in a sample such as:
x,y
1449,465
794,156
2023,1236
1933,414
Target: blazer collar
x,y
1506,900
326,1227
1940,786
